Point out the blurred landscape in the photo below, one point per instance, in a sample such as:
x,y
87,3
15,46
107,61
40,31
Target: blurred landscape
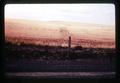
x,y
32,51
43,46
56,33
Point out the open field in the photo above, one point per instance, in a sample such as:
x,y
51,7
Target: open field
x,y
57,32
45,52
36,61
34,52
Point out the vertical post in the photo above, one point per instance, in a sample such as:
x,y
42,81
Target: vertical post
x,y
69,45
69,42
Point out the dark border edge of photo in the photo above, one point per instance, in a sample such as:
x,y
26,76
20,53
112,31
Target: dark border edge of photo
x,y
4,2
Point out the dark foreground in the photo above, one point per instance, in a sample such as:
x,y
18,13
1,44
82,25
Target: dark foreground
x,y
36,61
60,65
39,75
61,68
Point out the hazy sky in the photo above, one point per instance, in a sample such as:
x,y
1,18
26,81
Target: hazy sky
x,y
83,13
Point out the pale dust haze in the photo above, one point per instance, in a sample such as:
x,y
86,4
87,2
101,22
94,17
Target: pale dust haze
x,y
60,30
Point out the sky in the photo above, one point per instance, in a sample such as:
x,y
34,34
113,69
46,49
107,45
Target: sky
x,y
84,13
